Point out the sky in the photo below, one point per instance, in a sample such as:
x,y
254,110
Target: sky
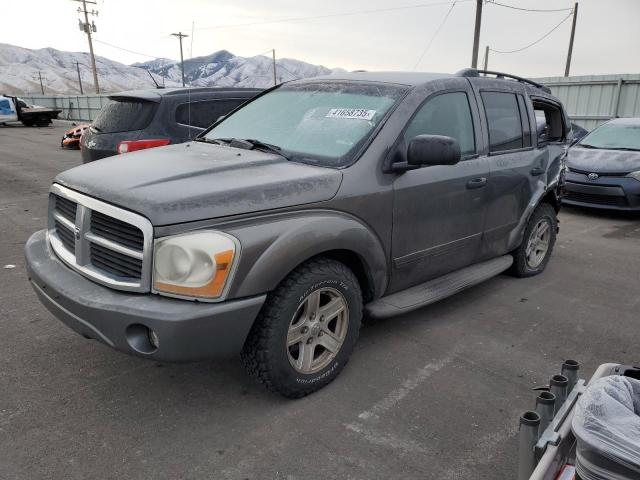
x,y
421,35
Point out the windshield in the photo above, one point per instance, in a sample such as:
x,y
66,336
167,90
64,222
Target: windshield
x,y
614,136
324,123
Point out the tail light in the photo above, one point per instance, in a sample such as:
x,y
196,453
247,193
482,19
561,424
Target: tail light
x,y
133,145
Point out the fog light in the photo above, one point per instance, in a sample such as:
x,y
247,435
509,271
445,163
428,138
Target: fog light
x,y
153,339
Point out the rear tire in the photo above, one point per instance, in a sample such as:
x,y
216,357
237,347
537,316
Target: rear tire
x,y
533,254
306,330
43,121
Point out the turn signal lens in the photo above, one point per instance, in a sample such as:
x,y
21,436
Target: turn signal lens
x,y
194,265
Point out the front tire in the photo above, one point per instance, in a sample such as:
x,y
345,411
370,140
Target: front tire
x,y
306,331
533,254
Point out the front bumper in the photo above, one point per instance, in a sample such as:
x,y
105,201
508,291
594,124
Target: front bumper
x,y
617,193
186,330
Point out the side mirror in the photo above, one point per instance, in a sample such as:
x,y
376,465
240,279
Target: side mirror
x,y
427,150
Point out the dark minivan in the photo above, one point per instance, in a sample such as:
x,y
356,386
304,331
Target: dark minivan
x,y
142,119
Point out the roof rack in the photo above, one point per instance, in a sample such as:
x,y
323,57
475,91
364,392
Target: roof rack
x,y
472,72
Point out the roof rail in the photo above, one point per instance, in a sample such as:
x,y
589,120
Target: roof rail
x,y
472,72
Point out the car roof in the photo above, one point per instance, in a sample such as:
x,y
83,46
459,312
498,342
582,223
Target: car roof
x,y
400,78
156,94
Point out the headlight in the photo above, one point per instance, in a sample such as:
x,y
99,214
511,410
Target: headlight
x,y
635,175
195,264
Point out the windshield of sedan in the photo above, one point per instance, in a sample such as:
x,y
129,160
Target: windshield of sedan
x,y
324,123
614,136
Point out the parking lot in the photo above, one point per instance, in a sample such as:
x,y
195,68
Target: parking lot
x,y
432,394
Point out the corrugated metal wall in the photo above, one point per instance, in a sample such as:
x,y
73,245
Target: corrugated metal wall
x,y
590,100
74,107
593,99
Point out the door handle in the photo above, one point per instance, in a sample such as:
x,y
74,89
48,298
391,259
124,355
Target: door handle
x,y
537,171
476,183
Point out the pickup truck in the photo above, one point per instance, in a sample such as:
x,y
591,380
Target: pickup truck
x,y
315,203
14,109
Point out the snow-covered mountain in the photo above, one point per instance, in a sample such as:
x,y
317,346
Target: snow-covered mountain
x,y
19,69
224,69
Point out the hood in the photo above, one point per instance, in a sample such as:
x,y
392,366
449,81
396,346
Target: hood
x,y
197,181
603,161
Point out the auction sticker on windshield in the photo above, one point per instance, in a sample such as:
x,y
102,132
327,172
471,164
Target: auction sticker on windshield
x,y
351,113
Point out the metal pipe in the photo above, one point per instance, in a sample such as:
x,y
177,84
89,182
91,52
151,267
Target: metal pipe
x,y
527,438
558,386
570,370
550,455
545,406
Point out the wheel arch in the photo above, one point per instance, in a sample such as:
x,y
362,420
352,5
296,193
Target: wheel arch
x,y
544,195
286,243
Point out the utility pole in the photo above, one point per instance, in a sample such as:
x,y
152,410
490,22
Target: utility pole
x,y
486,58
88,28
40,78
275,81
79,77
476,34
180,36
573,34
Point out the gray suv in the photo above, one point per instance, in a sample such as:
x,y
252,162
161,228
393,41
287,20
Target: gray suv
x,y
316,203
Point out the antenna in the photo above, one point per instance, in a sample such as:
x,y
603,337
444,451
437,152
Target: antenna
x,y
154,80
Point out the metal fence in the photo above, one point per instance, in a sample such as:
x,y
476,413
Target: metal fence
x,y
74,107
591,100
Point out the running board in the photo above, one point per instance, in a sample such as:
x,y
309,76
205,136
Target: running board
x,y
436,289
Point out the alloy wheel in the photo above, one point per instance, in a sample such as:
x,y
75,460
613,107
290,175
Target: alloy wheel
x,y
538,243
317,330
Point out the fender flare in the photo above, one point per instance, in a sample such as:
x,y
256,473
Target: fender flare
x,y
277,244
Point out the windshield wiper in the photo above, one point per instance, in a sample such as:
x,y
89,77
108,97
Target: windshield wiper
x,y
249,144
625,149
216,141
265,146
586,145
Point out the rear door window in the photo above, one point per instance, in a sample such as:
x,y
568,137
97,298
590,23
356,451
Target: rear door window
x,y
204,113
123,115
503,117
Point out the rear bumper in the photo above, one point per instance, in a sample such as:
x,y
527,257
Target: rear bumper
x,y
186,330
617,193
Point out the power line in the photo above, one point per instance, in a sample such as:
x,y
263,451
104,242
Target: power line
x,y
537,41
127,50
332,15
435,34
529,9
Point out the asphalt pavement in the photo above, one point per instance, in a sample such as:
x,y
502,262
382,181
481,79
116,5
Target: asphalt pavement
x,y
434,394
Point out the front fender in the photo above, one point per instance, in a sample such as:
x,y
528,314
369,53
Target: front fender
x,y
274,245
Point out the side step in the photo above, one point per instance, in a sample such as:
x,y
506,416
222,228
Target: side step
x,y
436,289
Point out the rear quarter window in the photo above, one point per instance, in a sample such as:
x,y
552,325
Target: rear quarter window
x,y
204,113
123,115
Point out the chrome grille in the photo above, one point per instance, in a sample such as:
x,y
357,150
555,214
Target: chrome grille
x,y
66,208
116,230
105,243
115,263
66,236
